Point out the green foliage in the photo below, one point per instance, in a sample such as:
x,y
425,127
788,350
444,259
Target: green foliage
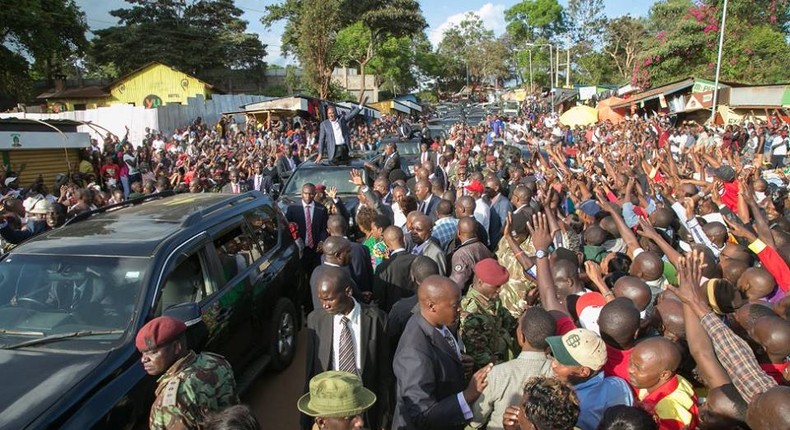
x,y
323,34
531,20
200,37
46,32
625,40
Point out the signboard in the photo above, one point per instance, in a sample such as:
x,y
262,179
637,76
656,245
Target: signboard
x,y
21,140
702,85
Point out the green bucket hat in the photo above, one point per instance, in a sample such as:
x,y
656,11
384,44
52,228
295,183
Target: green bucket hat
x,y
335,394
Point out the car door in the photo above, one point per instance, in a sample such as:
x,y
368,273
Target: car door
x,y
229,309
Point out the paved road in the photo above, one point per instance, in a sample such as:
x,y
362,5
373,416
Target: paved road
x,y
273,396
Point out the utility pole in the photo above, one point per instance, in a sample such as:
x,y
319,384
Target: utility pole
x,y
718,64
568,67
531,86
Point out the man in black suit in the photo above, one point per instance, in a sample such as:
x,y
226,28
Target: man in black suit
x,y
286,165
385,163
310,218
403,309
234,185
430,391
392,281
339,320
258,181
334,136
427,201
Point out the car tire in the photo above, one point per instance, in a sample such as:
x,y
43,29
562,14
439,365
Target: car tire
x,y
283,335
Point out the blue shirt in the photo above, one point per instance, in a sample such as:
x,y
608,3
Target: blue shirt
x,y
445,230
596,395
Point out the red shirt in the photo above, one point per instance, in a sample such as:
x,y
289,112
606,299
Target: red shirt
x,y
564,325
112,170
775,371
617,363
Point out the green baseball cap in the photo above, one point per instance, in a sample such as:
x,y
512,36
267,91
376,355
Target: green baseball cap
x,y
579,347
336,394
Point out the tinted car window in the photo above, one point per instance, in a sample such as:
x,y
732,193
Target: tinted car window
x,y
265,226
409,148
46,294
186,283
236,250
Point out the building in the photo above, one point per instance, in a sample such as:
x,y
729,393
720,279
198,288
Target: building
x,y
150,86
47,148
282,82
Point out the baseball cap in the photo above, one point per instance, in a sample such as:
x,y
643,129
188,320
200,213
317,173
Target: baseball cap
x,y
579,347
475,186
725,173
588,308
590,207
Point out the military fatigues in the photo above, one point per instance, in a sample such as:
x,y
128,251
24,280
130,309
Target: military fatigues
x,y
513,292
486,329
464,259
193,387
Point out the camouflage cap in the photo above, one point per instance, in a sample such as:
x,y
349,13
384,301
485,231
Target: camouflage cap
x,y
336,394
157,332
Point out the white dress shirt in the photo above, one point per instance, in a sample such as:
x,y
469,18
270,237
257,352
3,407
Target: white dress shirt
x,y
483,213
339,140
355,324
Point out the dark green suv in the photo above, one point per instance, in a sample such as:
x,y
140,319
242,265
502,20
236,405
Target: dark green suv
x,y
72,300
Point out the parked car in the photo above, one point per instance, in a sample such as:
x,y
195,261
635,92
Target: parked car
x,y
74,298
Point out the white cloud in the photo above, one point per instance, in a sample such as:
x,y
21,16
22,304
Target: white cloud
x,y
493,17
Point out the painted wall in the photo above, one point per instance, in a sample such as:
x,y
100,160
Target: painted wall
x,y
157,85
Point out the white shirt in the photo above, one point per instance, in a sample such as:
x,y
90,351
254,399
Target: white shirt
x,y
778,146
399,219
338,133
354,323
483,213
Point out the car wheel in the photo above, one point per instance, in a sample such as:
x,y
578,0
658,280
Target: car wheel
x,y
283,339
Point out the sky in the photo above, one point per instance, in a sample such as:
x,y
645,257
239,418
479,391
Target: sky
x,y
440,15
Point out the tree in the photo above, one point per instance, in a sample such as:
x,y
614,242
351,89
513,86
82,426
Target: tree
x,y
205,38
312,30
586,21
624,40
534,20
47,32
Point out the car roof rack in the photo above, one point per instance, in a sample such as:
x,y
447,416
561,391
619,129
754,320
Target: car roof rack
x,y
236,200
85,215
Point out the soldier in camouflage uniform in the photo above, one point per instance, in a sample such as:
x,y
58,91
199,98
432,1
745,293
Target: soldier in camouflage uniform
x,y
514,291
191,386
486,327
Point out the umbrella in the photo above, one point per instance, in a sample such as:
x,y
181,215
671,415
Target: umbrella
x,y
605,111
579,115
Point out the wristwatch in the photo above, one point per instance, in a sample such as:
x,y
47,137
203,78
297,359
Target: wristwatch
x,y
541,253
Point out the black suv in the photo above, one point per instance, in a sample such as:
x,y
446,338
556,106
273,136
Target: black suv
x,y
72,300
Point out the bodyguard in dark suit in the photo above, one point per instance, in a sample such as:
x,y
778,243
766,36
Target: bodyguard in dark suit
x,y
426,201
310,218
431,393
334,136
341,319
392,281
385,163
360,265
259,181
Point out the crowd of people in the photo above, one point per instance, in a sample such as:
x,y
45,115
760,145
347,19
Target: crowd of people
x,y
616,276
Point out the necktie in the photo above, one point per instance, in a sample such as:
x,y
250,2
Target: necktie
x,y
308,224
258,182
451,340
422,206
345,356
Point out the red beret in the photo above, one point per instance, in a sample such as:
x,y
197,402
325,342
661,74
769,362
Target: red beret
x,y
463,162
490,158
159,331
491,272
475,186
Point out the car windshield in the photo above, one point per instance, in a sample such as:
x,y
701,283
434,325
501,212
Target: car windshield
x,y
334,176
45,295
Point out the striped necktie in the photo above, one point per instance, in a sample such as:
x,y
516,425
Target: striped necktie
x,y
346,360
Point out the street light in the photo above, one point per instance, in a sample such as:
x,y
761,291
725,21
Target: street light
x,y
551,67
718,64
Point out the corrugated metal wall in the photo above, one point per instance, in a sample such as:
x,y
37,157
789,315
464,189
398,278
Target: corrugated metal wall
x,y
45,162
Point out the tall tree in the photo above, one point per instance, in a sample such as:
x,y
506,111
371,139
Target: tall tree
x,y
533,20
624,41
586,21
47,32
201,37
378,19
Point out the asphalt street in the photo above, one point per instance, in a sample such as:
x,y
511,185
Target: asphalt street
x,y
273,396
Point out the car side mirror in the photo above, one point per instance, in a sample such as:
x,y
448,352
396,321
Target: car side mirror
x,y
189,313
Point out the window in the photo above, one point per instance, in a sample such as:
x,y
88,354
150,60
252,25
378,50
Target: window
x,y
236,251
264,224
186,283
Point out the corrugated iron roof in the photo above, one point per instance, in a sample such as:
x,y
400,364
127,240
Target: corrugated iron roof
x,y
75,93
655,92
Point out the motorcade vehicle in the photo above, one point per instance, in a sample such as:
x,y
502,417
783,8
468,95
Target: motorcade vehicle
x,y
73,299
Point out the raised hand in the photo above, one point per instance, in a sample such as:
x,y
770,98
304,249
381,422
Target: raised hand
x,y
646,229
739,229
539,230
356,178
477,384
331,192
